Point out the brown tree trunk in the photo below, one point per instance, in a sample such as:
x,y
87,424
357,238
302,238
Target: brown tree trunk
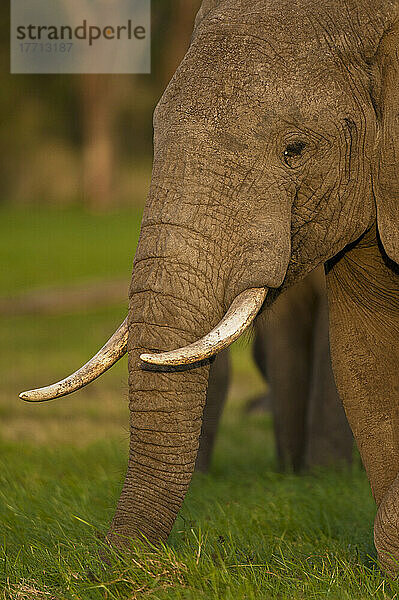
x,y
98,110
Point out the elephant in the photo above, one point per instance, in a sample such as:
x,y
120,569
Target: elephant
x,y
291,350
275,151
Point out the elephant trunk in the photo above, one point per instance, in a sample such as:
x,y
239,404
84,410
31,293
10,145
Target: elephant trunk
x,y
170,304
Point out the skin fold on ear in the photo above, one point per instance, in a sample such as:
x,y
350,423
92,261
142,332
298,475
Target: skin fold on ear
x,y
387,167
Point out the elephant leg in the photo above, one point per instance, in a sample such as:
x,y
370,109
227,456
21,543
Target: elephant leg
x,y
329,437
219,380
364,329
287,339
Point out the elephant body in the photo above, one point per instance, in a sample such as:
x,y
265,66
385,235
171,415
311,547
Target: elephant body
x,y
291,349
276,150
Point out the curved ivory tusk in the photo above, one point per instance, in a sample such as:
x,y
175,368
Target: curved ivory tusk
x,y
109,354
238,318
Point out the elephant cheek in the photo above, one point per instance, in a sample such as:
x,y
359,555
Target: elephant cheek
x,y
264,248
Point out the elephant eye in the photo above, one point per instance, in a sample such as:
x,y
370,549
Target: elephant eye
x,y
293,152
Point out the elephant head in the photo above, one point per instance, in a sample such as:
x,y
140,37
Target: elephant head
x,y
275,150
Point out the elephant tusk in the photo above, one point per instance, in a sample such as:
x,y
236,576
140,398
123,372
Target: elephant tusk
x,y
238,318
114,349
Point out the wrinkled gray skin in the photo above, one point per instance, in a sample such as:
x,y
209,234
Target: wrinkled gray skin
x,y
275,151
292,351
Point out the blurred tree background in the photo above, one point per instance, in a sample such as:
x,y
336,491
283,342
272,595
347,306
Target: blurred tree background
x,y
87,140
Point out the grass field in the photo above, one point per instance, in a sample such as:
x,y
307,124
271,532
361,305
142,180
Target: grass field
x,y
245,531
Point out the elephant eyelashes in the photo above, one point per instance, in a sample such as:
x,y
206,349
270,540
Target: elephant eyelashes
x,y
293,153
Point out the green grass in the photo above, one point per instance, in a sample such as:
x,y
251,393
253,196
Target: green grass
x,y
245,531
43,247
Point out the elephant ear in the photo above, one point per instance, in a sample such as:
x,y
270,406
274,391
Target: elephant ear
x,y
206,7
387,168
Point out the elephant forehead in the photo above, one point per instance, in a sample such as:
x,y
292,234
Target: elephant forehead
x,y
278,48
240,106
239,78
299,25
